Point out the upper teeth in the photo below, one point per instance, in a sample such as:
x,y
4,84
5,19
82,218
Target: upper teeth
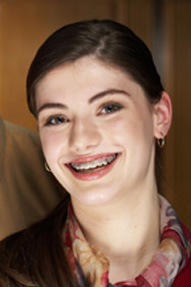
x,y
93,164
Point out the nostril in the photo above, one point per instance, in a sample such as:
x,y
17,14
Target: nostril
x,y
84,137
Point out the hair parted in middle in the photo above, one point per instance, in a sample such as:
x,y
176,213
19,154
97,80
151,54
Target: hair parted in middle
x,y
110,42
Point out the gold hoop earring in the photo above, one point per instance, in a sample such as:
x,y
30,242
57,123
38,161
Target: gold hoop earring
x,y
161,141
47,167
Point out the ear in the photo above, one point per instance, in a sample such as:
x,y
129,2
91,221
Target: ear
x,y
162,116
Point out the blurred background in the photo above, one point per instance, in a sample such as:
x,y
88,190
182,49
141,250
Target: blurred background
x,y
165,26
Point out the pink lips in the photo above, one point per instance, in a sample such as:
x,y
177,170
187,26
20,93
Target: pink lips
x,y
95,174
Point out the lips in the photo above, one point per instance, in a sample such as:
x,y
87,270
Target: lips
x,y
93,165
92,168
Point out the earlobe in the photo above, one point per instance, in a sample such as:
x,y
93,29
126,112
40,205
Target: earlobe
x,y
162,116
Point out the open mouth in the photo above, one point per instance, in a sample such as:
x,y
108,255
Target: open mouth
x,y
93,166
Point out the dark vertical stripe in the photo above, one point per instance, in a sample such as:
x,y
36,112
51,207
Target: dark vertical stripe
x,y
158,47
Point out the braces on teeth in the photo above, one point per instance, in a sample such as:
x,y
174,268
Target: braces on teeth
x,y
93,164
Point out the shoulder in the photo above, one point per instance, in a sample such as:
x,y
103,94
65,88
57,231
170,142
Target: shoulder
x,y
38,232
26,250
26,188
19,136
183,279
18,143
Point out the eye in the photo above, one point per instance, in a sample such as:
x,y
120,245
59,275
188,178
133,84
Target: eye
x,y
56,120
110,108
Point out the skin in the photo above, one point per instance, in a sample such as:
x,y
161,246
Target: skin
x,y
89,110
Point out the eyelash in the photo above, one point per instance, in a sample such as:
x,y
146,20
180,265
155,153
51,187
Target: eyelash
x,y
56,120
110,108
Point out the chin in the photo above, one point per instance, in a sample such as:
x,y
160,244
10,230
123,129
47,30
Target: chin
x,y
93,198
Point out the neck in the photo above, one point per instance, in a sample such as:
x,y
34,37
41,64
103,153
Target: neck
x,y
127,232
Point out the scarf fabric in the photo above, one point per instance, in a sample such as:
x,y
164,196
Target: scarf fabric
x,y
88,262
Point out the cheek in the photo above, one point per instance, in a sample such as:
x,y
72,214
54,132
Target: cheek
x,y
130,129
122,128
51,145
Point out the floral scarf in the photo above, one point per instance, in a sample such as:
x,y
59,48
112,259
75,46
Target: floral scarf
x,y
170,257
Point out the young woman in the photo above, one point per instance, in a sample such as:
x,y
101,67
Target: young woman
x,y
102,117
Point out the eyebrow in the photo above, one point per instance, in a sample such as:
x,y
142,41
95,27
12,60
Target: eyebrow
x,y
91,100
51,106
106,93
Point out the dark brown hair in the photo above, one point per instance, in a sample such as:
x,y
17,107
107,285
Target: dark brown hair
x,y
109,42
35,257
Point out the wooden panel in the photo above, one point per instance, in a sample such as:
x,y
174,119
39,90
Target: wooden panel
x,y
138,15
177,63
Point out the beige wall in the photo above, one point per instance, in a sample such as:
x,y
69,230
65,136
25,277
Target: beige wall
x,y
24,24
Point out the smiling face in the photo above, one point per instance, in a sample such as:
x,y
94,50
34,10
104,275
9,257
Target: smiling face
x,y
97,130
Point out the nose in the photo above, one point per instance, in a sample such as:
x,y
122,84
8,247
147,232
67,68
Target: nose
x,y
84,136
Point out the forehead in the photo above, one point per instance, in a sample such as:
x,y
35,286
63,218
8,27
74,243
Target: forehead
x,y
74,85
85,71
77,82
